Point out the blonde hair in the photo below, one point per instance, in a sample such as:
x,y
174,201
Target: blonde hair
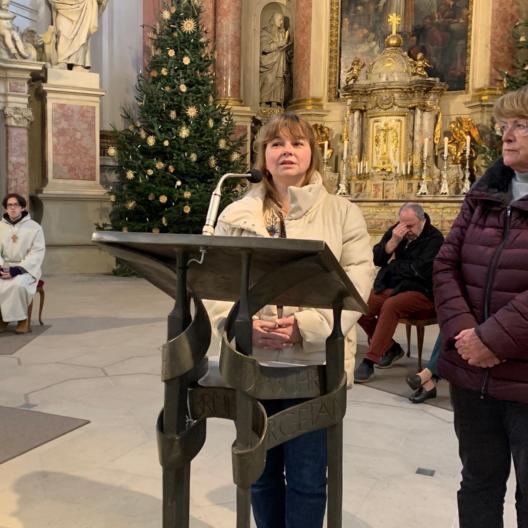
x,y
289,125
512,104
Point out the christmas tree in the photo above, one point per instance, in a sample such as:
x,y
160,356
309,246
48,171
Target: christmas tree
x,y
519,76
178,141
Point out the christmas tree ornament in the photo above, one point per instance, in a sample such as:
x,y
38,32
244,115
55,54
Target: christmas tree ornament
x,y
183,88
150,172
187,209
130,175
163,199
171,52
151,141
191,111
188,25
186,60
112,151
187,194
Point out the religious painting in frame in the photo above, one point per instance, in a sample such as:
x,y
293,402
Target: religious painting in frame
x,y
440,29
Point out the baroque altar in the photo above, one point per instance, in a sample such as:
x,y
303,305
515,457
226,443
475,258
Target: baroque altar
x,y
392,112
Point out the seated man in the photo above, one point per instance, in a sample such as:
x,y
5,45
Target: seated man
x,y
21,254
402,288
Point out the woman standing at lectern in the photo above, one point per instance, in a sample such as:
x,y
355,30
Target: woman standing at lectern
x,y
292,202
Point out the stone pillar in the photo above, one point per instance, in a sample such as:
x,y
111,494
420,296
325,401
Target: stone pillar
x,y
17,121
302,39
17,116
228,35
71,100
208,19
151,14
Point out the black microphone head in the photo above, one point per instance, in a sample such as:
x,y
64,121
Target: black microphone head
x,y
254,176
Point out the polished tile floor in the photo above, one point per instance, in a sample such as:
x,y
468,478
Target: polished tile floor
x,y
100,361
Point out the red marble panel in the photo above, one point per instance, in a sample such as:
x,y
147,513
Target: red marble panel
x,y
505,13
228,33
18,86
17,160
302,49
74,142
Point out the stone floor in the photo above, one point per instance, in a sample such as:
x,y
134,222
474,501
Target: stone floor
x,y
100,361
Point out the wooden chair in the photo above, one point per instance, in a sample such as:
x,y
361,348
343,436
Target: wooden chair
x,y
420,325
42,296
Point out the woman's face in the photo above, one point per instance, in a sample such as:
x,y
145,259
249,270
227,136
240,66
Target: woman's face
x,y
288,159
515,143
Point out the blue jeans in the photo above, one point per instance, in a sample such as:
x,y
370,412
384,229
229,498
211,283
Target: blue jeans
x,y
435,354
291,492
490,433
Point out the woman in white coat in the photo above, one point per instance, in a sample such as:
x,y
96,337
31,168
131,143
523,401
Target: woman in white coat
x,y
22,249
292,202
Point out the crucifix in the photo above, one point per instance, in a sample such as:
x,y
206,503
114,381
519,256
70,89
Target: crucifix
x,y
394,20
14,237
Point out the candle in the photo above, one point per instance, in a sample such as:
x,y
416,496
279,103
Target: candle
x,y
445,147
358,171
468,146
366,167
325,150
409,167
426,144
345,149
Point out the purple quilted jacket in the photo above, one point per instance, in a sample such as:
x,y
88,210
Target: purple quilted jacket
x,y
481,281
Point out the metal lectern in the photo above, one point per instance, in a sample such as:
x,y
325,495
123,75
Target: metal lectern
x,y
251,272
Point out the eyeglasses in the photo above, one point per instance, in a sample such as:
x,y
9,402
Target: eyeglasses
x,y
12,205
519,128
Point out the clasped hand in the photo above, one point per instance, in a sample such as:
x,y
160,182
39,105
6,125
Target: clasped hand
x,y
473,350
4,274
276,334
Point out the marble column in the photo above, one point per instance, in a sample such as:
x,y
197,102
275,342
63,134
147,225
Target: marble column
x,y
151,14
208,19
17,117
17,121
302,39
227,41
504,14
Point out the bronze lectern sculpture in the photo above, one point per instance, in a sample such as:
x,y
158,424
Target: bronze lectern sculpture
x,y
252,272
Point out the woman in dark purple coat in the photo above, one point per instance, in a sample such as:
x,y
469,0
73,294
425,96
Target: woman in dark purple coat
x,y
481,297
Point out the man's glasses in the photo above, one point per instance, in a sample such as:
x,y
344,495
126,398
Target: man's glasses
x,y
519,128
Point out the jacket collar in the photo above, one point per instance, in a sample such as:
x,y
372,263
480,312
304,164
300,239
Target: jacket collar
x,y
247,213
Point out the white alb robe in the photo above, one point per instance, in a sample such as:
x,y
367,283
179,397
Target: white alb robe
x,y
21,244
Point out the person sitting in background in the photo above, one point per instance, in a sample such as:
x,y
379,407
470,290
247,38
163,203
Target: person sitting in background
x,y
22,249
424,382
403,286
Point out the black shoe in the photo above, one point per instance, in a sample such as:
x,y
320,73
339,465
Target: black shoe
x,y
414,382
421,395
363,372
394,353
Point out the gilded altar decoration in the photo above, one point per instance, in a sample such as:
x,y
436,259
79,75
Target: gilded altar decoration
x,y
352,74
392,116
460,129
322,137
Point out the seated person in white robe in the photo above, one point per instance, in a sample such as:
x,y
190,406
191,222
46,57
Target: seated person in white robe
x,y
22,249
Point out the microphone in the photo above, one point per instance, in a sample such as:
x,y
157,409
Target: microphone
x,y
253,176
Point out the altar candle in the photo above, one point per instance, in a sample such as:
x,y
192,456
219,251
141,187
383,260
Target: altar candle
x,y
409,167
345,149
426,144
325,150
468,146
445,146
366,167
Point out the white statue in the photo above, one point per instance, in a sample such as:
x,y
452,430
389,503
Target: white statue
x,y
67,40
11,45
274,42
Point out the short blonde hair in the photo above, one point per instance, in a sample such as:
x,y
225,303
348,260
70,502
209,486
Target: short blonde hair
x,y
290,125
512,104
